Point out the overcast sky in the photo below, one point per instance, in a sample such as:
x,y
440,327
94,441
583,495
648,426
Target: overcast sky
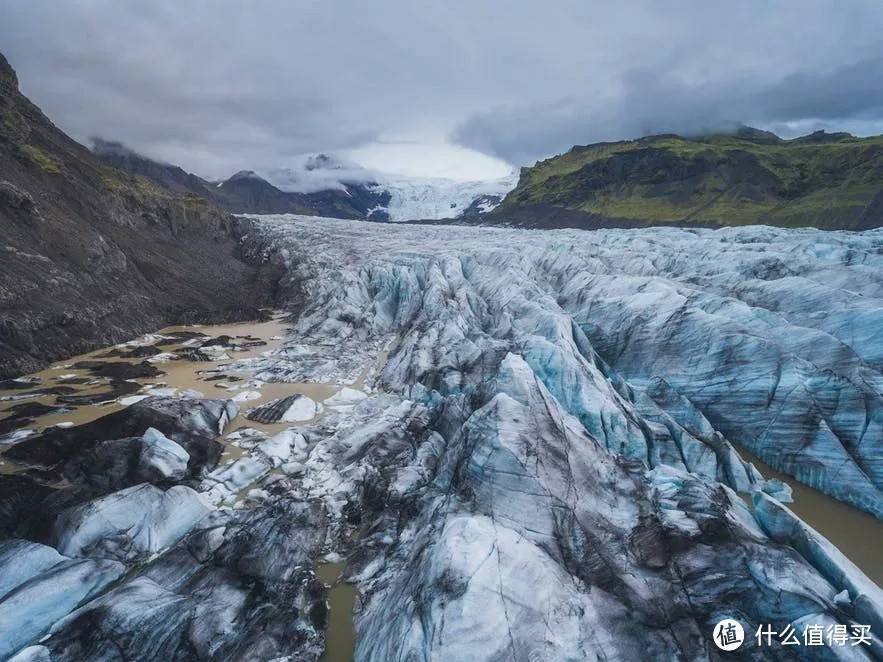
x,y
462,88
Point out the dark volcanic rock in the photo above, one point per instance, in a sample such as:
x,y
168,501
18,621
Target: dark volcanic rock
x,y
17,384
273,411
20,505
476,209
218,341
53,390
93,255
118,369
23,414
72,380
118,388
178,336
192,423
192,355
134,353
12,198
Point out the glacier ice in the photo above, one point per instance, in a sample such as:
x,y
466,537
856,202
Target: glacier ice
x,y
640,345
533,452
749,329
291,409
226,481
782,525
20,560
135,522
437,198
345,397
283,447
32,607
162,456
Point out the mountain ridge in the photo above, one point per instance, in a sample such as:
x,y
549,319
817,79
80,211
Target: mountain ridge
x,y
824,180
352,193
94,255
241,194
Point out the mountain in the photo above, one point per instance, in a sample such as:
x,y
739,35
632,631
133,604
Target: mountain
x,y
824,180
246,192
168,176
92,255
322,186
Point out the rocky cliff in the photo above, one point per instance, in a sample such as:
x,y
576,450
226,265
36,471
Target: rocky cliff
x,y
92,255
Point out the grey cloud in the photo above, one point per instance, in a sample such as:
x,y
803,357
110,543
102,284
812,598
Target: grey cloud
x,y
846,92
219,86
844,98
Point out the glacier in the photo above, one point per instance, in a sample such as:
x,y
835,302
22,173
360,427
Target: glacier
x,y
438,198
666,343
534,452
399,197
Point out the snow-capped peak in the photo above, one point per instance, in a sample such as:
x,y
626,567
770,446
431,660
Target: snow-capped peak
x,y
323,162
244,174
410,198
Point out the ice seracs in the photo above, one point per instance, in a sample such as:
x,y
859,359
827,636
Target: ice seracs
x,y
345,397
528,448
132,523
639,340
162,456
283,447
31,608
728,326
20,560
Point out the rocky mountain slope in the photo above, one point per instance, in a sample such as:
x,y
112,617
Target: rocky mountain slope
x,y
830,181
246,192
91,255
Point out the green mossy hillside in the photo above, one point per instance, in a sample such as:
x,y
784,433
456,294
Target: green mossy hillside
x,y
832,181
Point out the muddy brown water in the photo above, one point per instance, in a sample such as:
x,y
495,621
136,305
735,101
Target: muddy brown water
x,y
179,374
340,640
859,535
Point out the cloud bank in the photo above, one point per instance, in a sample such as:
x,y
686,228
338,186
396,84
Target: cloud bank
x,y
218,86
